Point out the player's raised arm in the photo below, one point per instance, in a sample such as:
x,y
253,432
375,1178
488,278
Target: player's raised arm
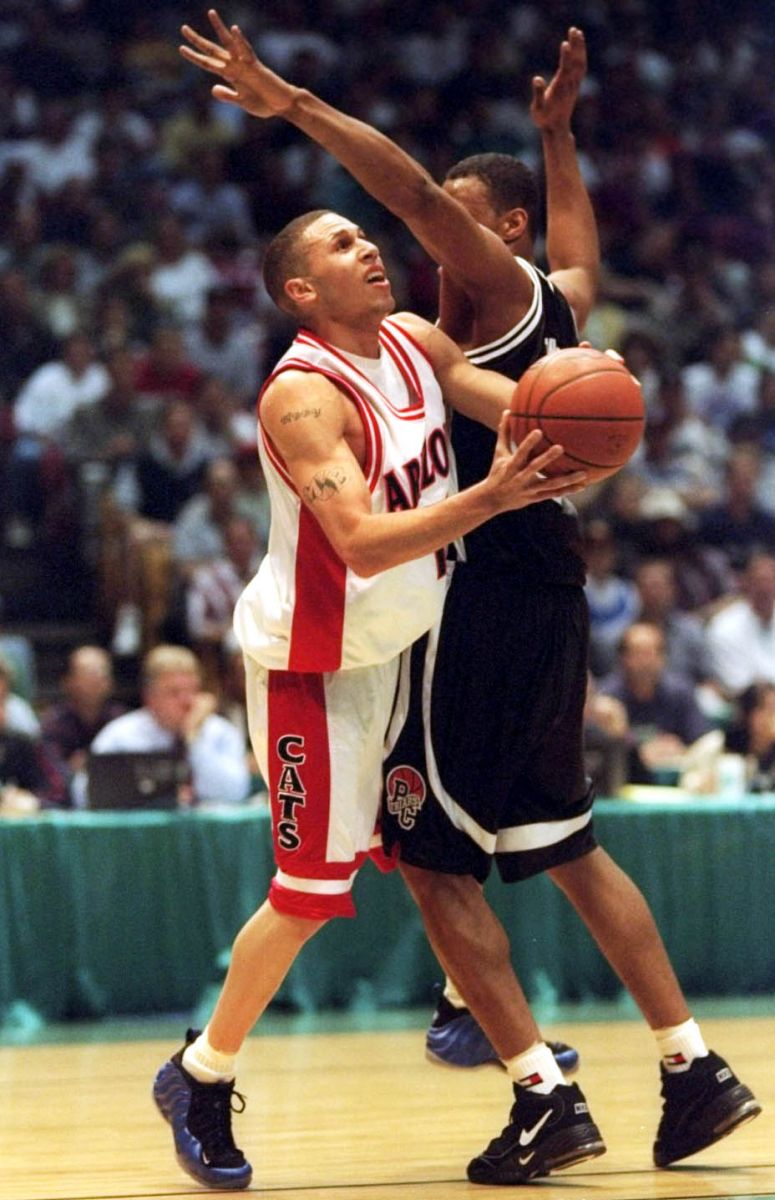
x,y
572,244
447,232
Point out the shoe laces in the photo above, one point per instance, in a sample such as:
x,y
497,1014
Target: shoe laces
x,y
209,1120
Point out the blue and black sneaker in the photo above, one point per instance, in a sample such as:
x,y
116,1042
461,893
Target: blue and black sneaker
x,y
701,1106
545,1133
456,1039
200,1116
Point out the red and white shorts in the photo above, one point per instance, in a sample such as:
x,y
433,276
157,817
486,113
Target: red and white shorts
x,y
320,741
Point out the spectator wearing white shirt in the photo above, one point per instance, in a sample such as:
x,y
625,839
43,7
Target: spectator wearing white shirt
x,y
723,386
742,635
181,276
177,714
42,410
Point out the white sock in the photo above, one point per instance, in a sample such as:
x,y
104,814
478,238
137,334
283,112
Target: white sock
x,y
535,1068
206,1064
453,995
679,1045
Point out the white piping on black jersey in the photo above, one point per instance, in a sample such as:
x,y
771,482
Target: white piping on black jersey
x,y
520,332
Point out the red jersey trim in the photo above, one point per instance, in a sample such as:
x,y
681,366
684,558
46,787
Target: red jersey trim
x,y
317,626
414,413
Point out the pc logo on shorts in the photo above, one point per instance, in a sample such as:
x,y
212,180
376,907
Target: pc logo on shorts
x,y
405,789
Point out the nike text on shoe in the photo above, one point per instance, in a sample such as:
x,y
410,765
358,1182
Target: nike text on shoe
x,y
544,1133
200,1116
700,1106
456,1039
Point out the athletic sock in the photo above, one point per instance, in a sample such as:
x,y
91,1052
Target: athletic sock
x,y
535,1069
679,1045
206,1064
453,995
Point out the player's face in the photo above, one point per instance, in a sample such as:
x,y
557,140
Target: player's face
x,y
345,270
474,195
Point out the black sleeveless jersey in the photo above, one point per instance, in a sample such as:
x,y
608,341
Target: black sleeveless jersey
x,y
542,542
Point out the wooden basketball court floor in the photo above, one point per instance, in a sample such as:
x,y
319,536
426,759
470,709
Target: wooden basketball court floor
x,y
360,1115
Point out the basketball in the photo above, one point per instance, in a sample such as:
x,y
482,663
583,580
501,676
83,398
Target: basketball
x,y
584,401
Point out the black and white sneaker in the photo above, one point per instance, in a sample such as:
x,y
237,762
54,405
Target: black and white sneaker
x,y
701,1106
200,1116
545,1133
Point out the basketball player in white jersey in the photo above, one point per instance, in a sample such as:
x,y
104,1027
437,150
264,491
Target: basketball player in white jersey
x,y
538,816
353,443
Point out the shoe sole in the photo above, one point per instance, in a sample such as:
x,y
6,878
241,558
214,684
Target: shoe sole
x,y
743,1109
171,1097
564,1151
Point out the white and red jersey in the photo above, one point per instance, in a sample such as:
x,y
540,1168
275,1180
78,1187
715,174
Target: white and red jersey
x,y
305,610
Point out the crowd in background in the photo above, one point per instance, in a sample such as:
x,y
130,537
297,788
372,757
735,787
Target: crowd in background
x,y
135,330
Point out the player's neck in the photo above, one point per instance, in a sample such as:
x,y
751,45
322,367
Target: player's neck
x,y
362,340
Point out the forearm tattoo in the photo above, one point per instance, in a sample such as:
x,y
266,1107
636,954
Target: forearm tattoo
x,y
325,484
286,418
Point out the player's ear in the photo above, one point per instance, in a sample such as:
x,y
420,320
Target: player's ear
x,y
513,224
300,291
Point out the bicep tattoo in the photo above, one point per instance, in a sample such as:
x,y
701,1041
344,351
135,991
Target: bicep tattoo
x,y
324,485
299,415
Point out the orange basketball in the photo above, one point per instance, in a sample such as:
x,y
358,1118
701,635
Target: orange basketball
x,y
584,401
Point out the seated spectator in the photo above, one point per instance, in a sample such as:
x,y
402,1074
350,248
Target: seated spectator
x,y
42,409
18,714
723,386
18,653
663,714
70,725
666,531
223,346
198,533
181,276
164,373
22,781
215,587
738,525
688,653
612,600
26,343
178,715
606,741
752,734
173,468
741,636
206,201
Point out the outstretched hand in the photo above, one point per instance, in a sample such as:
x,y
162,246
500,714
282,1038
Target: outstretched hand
x,y
516,474
553,103
251,85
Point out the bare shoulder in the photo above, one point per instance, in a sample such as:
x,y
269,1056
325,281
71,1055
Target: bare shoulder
x,y
299,400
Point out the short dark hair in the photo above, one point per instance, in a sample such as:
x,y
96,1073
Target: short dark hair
x,y
285,258
510,182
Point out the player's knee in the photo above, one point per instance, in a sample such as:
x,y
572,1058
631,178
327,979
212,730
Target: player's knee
x,y
431,888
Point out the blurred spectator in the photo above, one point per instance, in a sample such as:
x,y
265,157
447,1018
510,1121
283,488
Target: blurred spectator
x,y
737,525
613,601
178,715
18,715
688,653
198,124
165,373
663,715
758,342
71,723
22,780
723,386
752,734
18,652
173,467
181,276
206,202
742,635
220,345
42,409
667,531
606,741
199,533
215,588
26,342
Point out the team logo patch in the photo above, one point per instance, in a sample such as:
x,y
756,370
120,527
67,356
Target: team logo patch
x,y
406,791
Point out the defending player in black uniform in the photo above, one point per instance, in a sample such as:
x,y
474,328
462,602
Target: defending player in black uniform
x,y
512,645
